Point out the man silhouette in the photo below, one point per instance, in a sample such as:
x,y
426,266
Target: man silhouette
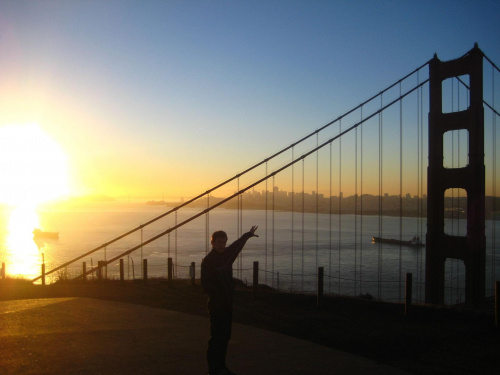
x,y
217,281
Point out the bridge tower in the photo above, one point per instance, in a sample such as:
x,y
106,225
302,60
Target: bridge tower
x,y
471,249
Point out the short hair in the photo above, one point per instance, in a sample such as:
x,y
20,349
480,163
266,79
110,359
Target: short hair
x,y
218,234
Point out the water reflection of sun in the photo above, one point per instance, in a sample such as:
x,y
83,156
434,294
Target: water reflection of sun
x,y
24,257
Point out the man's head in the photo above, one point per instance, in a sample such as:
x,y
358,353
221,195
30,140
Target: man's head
x,y
218,240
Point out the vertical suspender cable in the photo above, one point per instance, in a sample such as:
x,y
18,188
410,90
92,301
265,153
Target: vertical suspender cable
x,y
494,179
303,225
330,225
422,213
272,233
105,255
175,246
293,213
419,212
317,201
265,247
168,244
238,209
241,233
142,255
340,203
458,190
400,193
423,188
361,212
380,144
207,226
451,262
239,224
355,209
421,180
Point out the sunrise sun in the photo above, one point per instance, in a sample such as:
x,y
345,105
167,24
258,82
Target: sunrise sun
x,y
32,165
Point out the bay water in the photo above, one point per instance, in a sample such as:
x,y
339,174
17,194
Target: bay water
x,y
289,249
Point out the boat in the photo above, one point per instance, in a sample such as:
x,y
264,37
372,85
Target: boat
x,y
414,242
38,233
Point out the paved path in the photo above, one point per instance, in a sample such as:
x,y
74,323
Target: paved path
x,y
89,336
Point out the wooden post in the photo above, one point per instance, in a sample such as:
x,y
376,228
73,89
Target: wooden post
x,y
170,268
192,273
319,297
84,271
43,273
497,303
122,273
145,269
409,292
255,278
3,271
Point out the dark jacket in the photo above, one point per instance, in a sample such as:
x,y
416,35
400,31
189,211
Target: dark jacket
x,y
217,274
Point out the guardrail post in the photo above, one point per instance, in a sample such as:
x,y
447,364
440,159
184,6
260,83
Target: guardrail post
x,y
170,268
145,269
319,298
255,278
84,271
192,273
3,271
409,291
122,273
43,273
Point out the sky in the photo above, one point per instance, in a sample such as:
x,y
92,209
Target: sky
x,y
167,98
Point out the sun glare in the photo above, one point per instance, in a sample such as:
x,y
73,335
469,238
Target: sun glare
x,y
33,166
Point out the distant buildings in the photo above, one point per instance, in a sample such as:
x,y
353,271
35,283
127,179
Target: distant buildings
x,y
366,204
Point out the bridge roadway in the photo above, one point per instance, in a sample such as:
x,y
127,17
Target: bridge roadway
x,y
90,336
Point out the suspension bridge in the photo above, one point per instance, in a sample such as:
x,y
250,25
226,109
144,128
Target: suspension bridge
x,y
404,182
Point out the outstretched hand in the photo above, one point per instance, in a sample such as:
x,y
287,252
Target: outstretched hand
x,y
254,228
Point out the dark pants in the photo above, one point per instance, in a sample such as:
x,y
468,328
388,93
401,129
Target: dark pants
x,y
220,332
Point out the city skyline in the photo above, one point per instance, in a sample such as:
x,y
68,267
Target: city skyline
x,y
368,204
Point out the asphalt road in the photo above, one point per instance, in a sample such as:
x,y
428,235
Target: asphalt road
x,y
90,336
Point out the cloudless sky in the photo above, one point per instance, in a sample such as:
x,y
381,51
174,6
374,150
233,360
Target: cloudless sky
x,y
169,97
